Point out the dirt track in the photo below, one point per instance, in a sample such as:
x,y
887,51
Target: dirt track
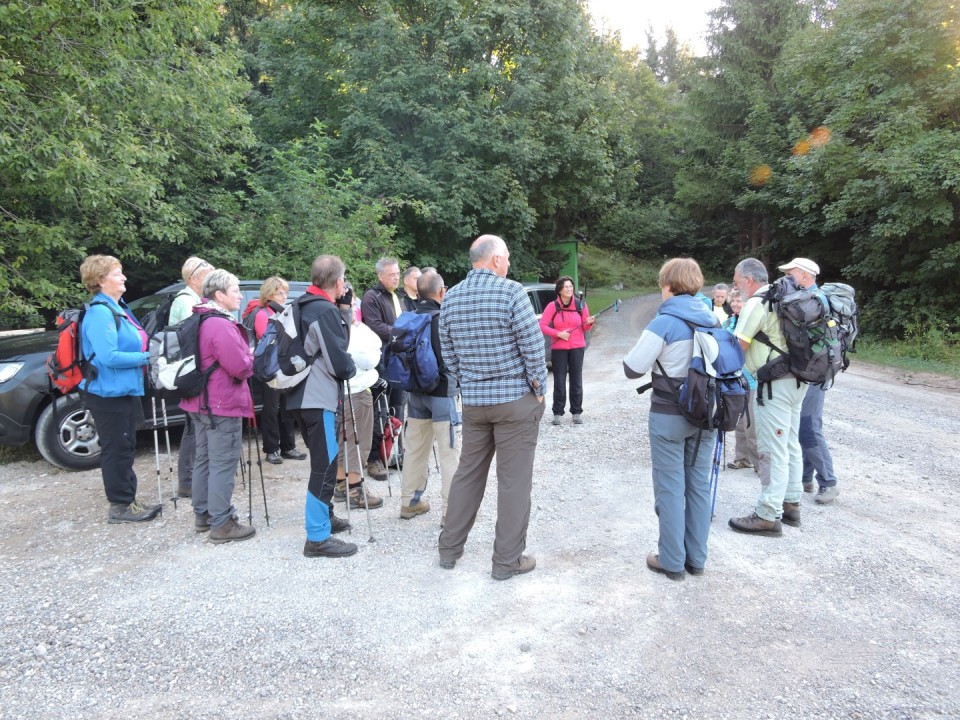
x,y
852,615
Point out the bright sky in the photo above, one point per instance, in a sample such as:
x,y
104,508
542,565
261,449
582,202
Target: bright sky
x,y
631,17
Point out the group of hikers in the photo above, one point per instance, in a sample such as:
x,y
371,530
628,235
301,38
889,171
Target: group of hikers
x,y
487,398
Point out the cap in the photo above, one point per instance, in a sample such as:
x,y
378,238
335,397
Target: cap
x,y
802,263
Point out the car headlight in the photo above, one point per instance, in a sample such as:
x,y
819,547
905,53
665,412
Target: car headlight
x,y
8,370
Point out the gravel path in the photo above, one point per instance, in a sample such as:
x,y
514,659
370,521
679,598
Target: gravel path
x,y
854,615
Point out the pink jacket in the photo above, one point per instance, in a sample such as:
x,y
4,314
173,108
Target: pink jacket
x,y
225,341
553,322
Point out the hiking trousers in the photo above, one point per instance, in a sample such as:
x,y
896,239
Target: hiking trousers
x,y
681,489
430,419
816,453
319,429
117,419
510,430
745,436
567,364
219,443
781,461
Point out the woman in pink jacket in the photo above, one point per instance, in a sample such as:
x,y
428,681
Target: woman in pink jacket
x,y
218,412
565,321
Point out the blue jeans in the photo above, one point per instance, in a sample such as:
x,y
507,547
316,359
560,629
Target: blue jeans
x,y
681,489
816,454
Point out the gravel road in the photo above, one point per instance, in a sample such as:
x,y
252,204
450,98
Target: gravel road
x,y
853,615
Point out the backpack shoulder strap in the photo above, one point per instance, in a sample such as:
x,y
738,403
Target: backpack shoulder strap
x,y
116,315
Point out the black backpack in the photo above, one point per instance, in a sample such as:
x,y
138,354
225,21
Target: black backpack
x,y
175,359
813,353
159,317
577,303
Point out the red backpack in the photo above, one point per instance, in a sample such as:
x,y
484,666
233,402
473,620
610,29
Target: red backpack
x,y
66,365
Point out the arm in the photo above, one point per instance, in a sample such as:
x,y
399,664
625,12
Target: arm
x,y
373,315
260,322
644,354
587,320
450,359
546,321
530,342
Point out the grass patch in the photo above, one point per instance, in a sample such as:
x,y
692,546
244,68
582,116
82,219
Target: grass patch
x,y
941,356
609,275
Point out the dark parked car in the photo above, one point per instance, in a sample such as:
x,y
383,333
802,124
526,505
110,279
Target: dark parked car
x,y
66,435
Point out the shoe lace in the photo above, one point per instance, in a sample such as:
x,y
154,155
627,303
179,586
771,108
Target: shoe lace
x,y
136,508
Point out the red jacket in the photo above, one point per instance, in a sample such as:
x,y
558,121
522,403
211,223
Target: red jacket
x,y
552,323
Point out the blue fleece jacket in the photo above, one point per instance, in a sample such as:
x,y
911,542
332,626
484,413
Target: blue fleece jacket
x,y
669,340
117,353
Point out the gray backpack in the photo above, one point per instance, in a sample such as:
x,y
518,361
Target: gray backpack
x,y
843,307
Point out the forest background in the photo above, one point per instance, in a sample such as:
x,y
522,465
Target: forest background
x,y
258,133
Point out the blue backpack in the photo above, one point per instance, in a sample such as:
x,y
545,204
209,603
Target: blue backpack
x,y
714,395
280,359
409,361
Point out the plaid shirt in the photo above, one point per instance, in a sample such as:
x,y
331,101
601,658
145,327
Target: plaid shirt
x,y
490,339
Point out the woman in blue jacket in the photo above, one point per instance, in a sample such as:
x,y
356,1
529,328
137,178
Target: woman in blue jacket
x,y
115,346
680,452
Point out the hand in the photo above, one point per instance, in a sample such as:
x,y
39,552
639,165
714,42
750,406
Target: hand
x,y
591,320
564,334
540,399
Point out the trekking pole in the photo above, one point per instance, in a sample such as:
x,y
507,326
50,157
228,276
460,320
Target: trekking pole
x,y
385,427
166,434
263,486
356,442
249,474
715,473
156,451
346,464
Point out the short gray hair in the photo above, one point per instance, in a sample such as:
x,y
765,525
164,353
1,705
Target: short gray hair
x,y
218,281
721,286
753,269
485,247
429,284
385,262
326,270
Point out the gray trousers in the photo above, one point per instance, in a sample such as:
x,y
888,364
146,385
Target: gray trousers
x,y
215,465
188,450
510,430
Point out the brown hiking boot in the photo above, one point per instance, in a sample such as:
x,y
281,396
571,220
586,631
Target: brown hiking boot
x,y
653,562
356,498
791,514
231,531
201,522
753,524
411,511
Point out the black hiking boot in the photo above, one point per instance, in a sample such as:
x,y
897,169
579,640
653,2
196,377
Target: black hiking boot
x,y
132,513
331,547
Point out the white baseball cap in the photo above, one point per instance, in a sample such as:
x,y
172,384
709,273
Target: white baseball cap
x,y
804,264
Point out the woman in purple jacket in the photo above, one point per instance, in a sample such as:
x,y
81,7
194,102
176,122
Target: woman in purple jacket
x,y
565,320
218,413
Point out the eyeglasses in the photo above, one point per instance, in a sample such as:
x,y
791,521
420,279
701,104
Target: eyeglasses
x,y
445,288
281,292
203,265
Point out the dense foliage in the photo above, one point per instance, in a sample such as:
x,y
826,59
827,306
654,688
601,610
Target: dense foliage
x,y
259,133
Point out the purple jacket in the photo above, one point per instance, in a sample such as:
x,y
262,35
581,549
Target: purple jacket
x,y
225,341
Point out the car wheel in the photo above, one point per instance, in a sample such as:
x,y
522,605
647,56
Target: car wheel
x,y
68,436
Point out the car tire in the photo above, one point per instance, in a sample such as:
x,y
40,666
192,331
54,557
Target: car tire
x,y
67,435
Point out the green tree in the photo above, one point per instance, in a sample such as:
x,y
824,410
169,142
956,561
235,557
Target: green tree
x,y
879,196
121,122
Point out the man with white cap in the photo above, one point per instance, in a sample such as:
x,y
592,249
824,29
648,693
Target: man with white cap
x,y
778,418
816,453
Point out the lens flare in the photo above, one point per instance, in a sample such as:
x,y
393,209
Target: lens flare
x,y
801,148
760,175
819,136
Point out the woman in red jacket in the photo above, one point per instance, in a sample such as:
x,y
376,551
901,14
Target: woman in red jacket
x,y
565,321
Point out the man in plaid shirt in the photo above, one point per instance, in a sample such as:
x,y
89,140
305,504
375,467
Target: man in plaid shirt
x,y
491,342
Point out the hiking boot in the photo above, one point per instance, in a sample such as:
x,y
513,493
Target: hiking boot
x,y
376,470
331,547
340,491
411,511
557,419
201,522
447,564
808,485
827,495
525,564
753,524
356,498
740,464
185,490
293,454
692,569
791,514
274,458
132,513
338,525
578,419
231,531
653,562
